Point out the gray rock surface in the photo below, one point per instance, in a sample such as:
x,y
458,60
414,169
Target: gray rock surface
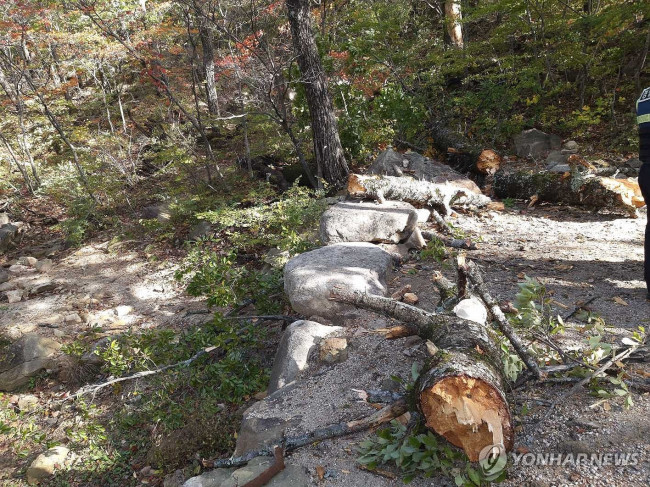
x,y
570,146
14,296
44,265
4,218
310,277
393,163
46,463
28,261
535,143
24,359
560,168
298,340
159,211
634,163
291,476
259,429
556,157
390,222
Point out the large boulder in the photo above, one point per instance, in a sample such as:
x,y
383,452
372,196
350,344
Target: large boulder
x,y
298,340
389,222
310,277
24,359
392,163
535,143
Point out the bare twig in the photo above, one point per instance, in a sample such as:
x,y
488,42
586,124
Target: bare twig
x,y
582,306
94,388
333,431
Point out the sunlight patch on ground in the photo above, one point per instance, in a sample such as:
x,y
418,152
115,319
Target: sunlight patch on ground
x,y
631,284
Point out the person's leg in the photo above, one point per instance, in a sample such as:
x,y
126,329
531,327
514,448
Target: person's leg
x,y
644,184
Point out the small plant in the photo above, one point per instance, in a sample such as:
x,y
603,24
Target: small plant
x,y
512,364
533,305
224,283
420,452
434,250
509,202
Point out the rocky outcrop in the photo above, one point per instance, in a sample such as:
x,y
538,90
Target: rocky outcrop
x,y
24,359
310,277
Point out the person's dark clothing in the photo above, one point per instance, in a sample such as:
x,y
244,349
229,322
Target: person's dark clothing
x,y
644,184
643,120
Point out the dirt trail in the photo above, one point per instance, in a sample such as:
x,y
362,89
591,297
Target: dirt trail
x,y
112,287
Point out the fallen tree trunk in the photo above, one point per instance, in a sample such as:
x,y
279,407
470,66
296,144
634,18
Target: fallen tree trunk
x,y
440,196
573,189
461,392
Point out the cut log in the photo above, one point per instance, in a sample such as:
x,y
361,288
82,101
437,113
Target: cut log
x,y
440,196
461,393
461,398
571,188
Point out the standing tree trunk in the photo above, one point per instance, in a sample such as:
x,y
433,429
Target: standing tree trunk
x,y
453,16
327,145
208,68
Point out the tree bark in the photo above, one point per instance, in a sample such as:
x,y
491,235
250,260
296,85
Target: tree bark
x,y
208,68
440,196
453,17
327,145
461,392
591,191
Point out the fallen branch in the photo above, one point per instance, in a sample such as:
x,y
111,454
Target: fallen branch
x,y
573,189
454,243
446,288
94,388
475,277
444,226
266,476
580,307
333,431
576,387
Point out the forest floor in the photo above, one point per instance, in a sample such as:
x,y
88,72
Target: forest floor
x,y
580,257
